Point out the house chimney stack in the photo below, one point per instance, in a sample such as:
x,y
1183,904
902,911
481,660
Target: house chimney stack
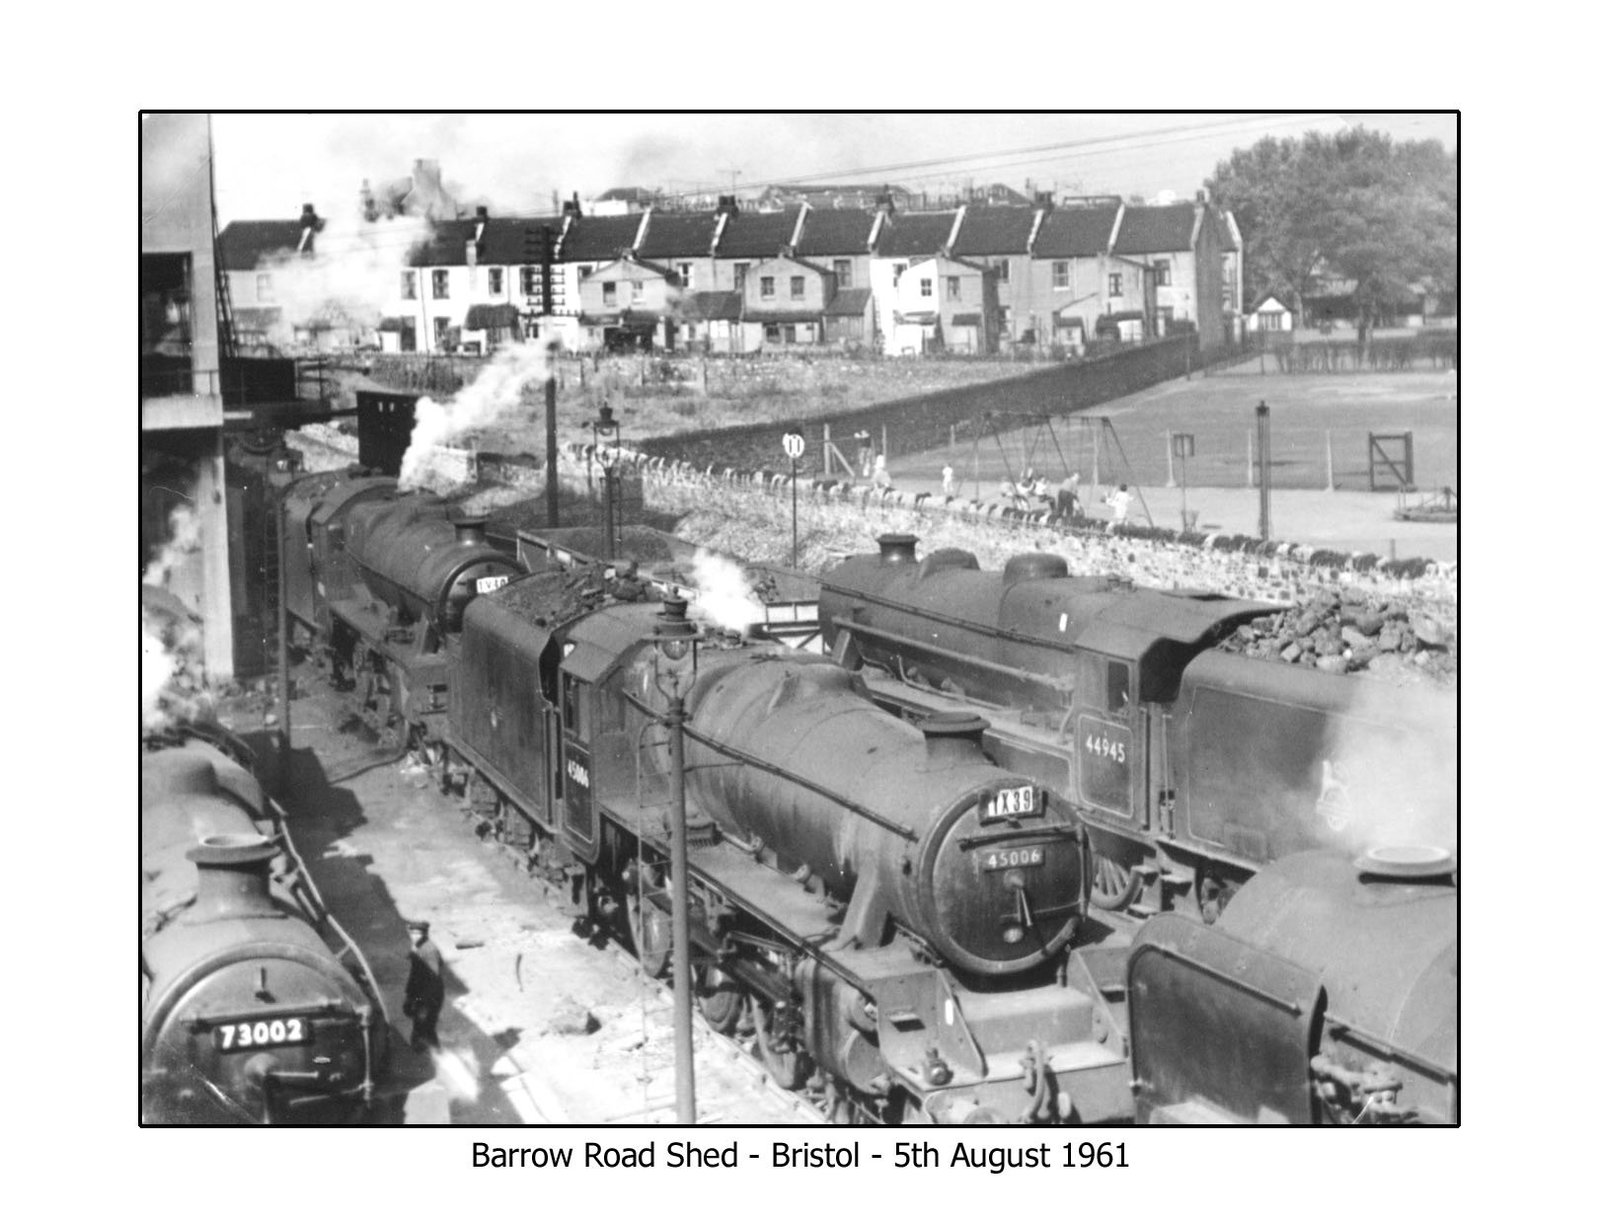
x,y
309,224
1045,200
886,201
572,207
727,205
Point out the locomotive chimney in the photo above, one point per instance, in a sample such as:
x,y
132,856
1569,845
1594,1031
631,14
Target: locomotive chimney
x,y
1406,863
471,530
233,877
953,738
897,548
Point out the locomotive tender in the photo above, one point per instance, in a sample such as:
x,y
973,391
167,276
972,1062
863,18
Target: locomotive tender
x,y
247,1016
1192,768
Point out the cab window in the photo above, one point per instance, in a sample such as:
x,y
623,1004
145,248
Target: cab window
x,y
573,707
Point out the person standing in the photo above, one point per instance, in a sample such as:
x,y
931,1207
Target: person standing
x,y
949,484
1118,501
424,987
1067,497
864,454
880,473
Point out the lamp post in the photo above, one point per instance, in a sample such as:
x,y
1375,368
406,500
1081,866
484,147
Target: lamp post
x,y
607,439
675,641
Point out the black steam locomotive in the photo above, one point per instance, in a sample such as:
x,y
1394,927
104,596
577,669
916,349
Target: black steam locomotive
x,y
1327,992
1192,767
247,1015
883,909
888,901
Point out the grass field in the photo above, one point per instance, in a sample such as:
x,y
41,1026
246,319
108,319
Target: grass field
x,y
1220,412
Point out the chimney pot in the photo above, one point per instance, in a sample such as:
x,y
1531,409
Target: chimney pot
x,y
233,877
471,529
483,212
897,548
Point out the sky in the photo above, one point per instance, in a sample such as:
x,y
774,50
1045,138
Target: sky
x,y
268,165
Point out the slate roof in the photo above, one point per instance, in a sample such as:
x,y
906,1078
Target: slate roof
x,y
1074,233
244,243
914,234
995,231
848,303
1156,230
712,307
679,235
757,235
835,232
505,239
446,247
595,239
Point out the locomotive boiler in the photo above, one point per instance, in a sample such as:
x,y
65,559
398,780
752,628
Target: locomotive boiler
x,y
1326,993
247,1015
1191,768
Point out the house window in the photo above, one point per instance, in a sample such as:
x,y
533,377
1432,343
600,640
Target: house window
x,y
263,288
1163,271
841,270
769,286
530,281
1272,320
1005,318
608,292
797,288
952,287
788,332
1061,275
497,280
441,285
408,286
1227,296
927,287
899,269
773,334
740,270
1004,266
686,275
441,331
638,289
1115,286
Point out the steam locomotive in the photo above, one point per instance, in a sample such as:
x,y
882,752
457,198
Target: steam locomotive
x,y
886,889
1191,767
247,1015
1327,992
885,911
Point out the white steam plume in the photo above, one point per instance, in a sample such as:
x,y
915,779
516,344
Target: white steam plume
x,y
1390,787
185,540
347,278
494,393
725,596
172,683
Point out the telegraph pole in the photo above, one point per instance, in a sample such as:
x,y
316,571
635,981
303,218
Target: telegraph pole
x,y
1264,448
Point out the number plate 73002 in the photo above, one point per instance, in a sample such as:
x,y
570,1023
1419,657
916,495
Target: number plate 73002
x,y
277,1032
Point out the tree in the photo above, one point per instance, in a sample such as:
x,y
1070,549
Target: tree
x,y
1353,206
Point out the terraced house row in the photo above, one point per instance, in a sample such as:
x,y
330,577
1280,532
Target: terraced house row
x,y
975,279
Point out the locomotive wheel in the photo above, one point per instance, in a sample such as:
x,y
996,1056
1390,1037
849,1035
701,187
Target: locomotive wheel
x,y
720,999
1114,883
651,931
790,1069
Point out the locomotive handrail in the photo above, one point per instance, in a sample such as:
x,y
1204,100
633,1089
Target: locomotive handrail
x,y
302,876
739,756
987,629
1065,685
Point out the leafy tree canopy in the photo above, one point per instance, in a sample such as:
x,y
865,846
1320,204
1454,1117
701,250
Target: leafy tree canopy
x,y
1353,206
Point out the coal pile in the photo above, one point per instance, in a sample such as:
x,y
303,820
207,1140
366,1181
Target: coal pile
x,y
1354,632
